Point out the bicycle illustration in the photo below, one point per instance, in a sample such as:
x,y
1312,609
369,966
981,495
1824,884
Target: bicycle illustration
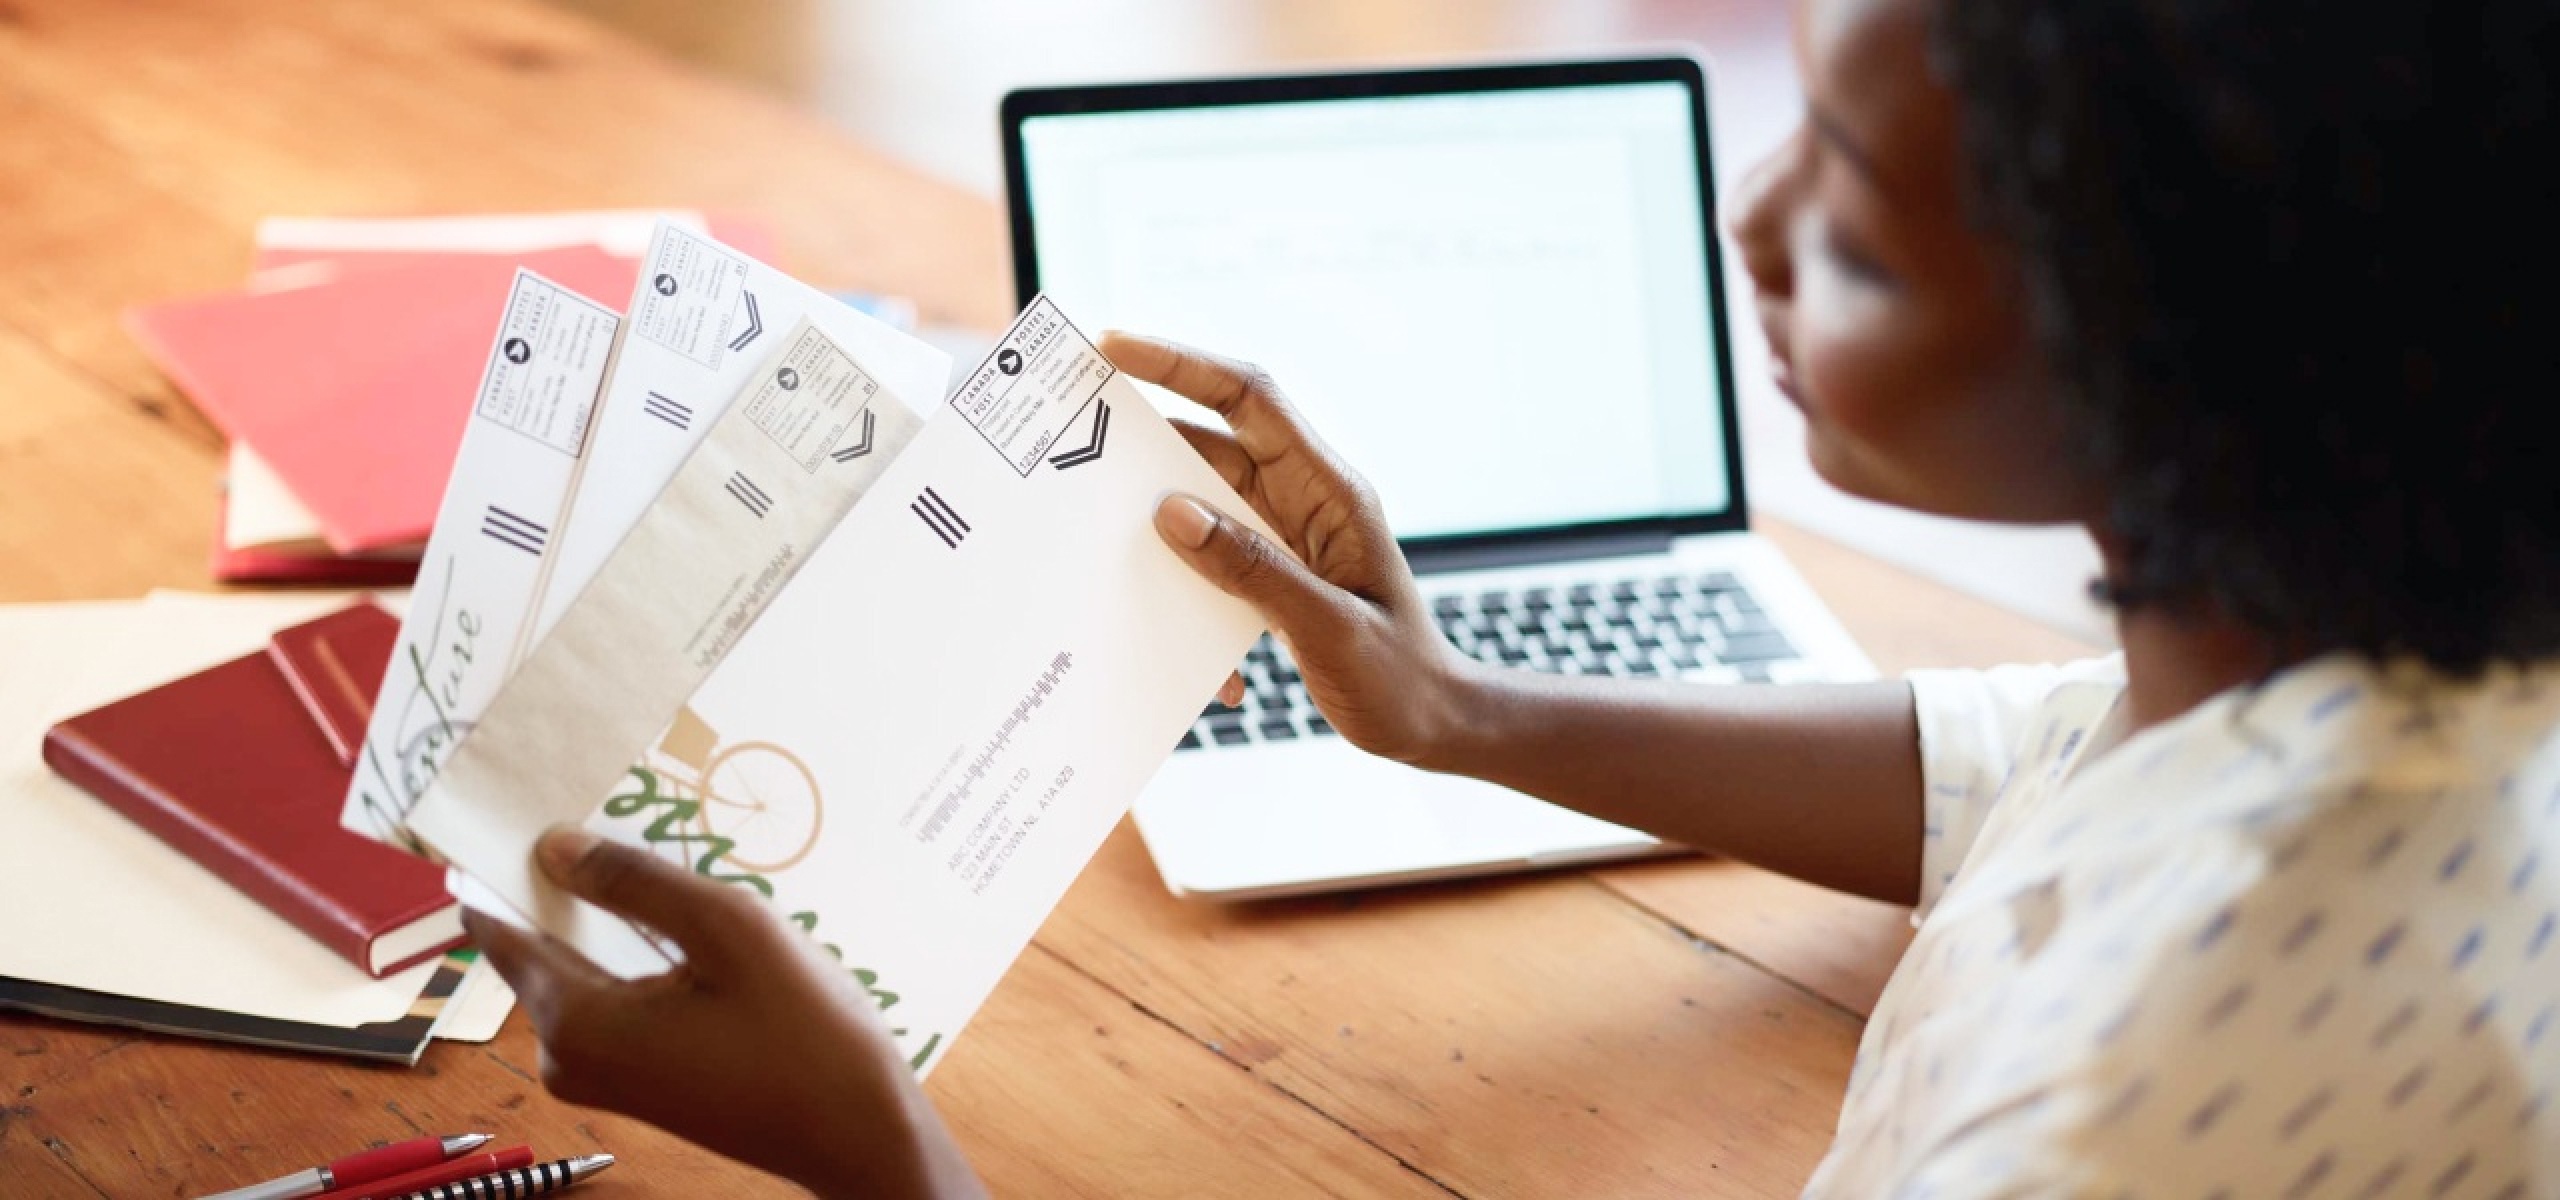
x,y
751,806
735,813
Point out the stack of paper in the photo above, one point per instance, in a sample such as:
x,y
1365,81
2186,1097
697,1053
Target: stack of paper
x,y
136,933
341,369
788,617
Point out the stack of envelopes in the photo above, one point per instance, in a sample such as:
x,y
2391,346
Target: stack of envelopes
x,y
731,577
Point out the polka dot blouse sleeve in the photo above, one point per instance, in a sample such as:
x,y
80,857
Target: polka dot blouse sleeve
x,y
1970,726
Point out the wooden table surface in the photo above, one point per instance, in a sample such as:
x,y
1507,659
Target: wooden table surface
x,y
1676,1028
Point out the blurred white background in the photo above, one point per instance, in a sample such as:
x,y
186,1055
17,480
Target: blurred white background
x,y
921,79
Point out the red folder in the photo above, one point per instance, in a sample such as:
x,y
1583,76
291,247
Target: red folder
x,y
257,565
356,389
229,767
262,564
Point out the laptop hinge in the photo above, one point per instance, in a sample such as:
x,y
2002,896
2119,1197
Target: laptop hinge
x,y
1432,558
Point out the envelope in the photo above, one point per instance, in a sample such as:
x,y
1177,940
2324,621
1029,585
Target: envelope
x,y
930,731
521,450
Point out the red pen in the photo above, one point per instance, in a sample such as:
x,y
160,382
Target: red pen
x,y
427,1177
381,1163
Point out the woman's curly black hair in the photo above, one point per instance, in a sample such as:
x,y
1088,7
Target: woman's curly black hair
x,y
2296,267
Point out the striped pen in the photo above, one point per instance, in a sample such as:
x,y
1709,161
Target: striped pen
x,y
540,1179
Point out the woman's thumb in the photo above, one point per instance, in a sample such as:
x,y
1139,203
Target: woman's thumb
x,y
1243,563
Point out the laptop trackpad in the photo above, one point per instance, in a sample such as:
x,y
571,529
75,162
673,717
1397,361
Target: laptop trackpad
x,y
1319,812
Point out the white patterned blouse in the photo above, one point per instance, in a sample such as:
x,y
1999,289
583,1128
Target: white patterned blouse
x,y
2296,943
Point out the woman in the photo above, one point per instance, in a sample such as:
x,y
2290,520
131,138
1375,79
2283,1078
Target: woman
x,y
2259,908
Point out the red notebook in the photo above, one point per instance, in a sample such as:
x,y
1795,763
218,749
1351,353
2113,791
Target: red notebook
x,y
356,389
229,767
335,667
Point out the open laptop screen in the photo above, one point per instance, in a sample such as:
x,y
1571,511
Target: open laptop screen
x,y
1497,304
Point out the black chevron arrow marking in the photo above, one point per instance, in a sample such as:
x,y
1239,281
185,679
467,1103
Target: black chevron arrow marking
x,y
1092,448
859,448
755,324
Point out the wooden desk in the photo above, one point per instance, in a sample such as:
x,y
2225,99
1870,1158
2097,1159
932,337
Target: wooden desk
x,y
1677,1028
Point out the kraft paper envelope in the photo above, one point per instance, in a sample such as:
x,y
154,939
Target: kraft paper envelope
x,y
768,482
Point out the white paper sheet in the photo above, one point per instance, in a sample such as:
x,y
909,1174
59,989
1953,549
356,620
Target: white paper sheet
x,y
479,1007
258,509
121,912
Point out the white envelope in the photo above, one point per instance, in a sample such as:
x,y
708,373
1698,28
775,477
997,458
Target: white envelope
x,y
931,730
483,564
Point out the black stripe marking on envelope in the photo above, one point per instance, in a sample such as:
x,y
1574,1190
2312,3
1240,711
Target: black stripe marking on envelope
x,y
507,528
940,517
669,411
749,494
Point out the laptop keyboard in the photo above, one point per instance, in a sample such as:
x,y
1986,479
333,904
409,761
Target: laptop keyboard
x,y
1701,628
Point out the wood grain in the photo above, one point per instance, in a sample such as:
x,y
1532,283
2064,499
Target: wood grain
x,y
1531,1036
142,1115
1055,1058
99,496
1670,1029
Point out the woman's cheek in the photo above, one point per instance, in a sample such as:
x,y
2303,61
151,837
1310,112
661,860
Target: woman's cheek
x,y
1845,357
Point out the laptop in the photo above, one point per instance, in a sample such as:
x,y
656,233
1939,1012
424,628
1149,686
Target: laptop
x,y
1496,292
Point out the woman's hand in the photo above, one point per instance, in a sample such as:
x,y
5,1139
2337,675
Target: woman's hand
x,y
1340,595
759,1047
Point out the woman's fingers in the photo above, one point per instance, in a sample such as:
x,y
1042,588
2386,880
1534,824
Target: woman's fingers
x,y
708,919
1265,426
1218,384
1220,451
